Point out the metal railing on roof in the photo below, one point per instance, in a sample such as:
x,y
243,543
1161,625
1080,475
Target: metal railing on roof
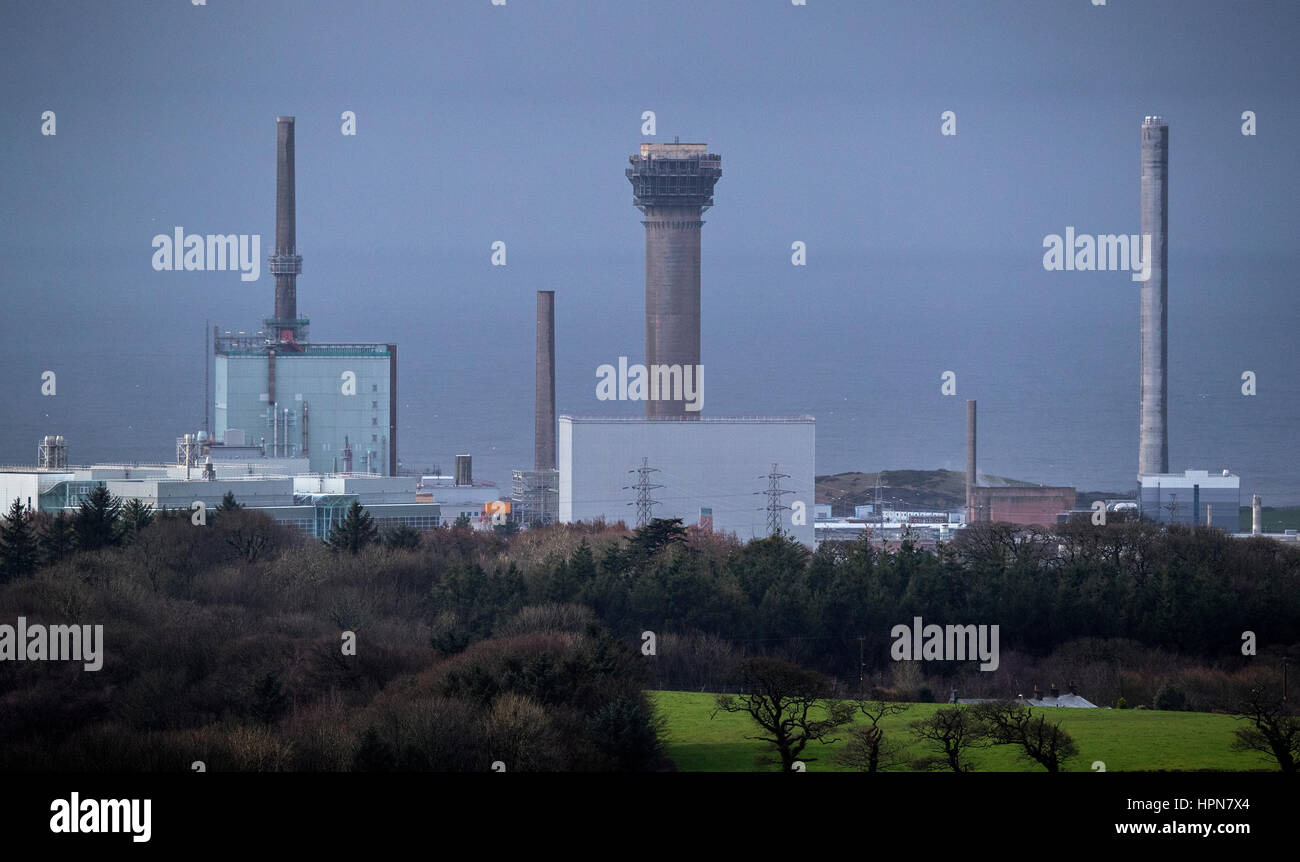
x,y
683,419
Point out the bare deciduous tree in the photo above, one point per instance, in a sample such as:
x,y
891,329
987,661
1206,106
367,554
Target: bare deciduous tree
x,y
1040,740
1273,730
867,749
951,732
782,699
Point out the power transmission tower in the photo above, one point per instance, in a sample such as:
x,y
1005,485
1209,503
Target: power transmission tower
x,y
774,492
643,487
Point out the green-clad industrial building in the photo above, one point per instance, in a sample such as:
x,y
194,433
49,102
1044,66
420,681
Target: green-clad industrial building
x,y
336,403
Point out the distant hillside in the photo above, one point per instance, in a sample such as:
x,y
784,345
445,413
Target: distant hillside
x,y
940,490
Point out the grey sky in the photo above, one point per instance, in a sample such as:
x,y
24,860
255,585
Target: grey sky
x,y
478,121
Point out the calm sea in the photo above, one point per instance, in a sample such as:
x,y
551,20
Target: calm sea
x,y
858,342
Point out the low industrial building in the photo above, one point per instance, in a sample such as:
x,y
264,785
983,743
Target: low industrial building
x,y
459,495
887,535
1023,505
311,503
1191,497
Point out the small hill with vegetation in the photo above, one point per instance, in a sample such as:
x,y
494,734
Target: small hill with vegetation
x,y
940,490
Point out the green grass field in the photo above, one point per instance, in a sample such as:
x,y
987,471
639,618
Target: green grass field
x,y
1276,520
1122,739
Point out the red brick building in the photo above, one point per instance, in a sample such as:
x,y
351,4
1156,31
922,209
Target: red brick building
x,y
1026,506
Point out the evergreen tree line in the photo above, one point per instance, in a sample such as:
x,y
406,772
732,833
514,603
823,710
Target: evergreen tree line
x,y
31,539
1193,592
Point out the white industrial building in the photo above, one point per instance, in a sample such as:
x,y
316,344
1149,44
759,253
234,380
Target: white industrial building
x,y
1191,497
709,468
312,503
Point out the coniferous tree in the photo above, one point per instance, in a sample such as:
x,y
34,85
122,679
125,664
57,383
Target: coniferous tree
x,y
228,503
19,549
58,539
136,515
97,523
630,732
354,532
657,535
403,537
583,563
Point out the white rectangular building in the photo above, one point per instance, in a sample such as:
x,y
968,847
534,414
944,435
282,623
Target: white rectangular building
x,y
717,464
1189,497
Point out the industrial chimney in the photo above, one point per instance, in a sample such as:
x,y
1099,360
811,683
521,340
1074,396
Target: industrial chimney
x,y
544,416
1153,434
1256,515
672,185
285,263
970,461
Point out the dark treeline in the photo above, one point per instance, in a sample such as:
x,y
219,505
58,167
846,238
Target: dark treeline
x,y
227,645
223,641
1119,609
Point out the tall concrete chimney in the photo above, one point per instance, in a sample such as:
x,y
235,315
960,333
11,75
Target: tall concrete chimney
x,y
1256,515
1153,434
544,413
672,185
971,481
285,263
